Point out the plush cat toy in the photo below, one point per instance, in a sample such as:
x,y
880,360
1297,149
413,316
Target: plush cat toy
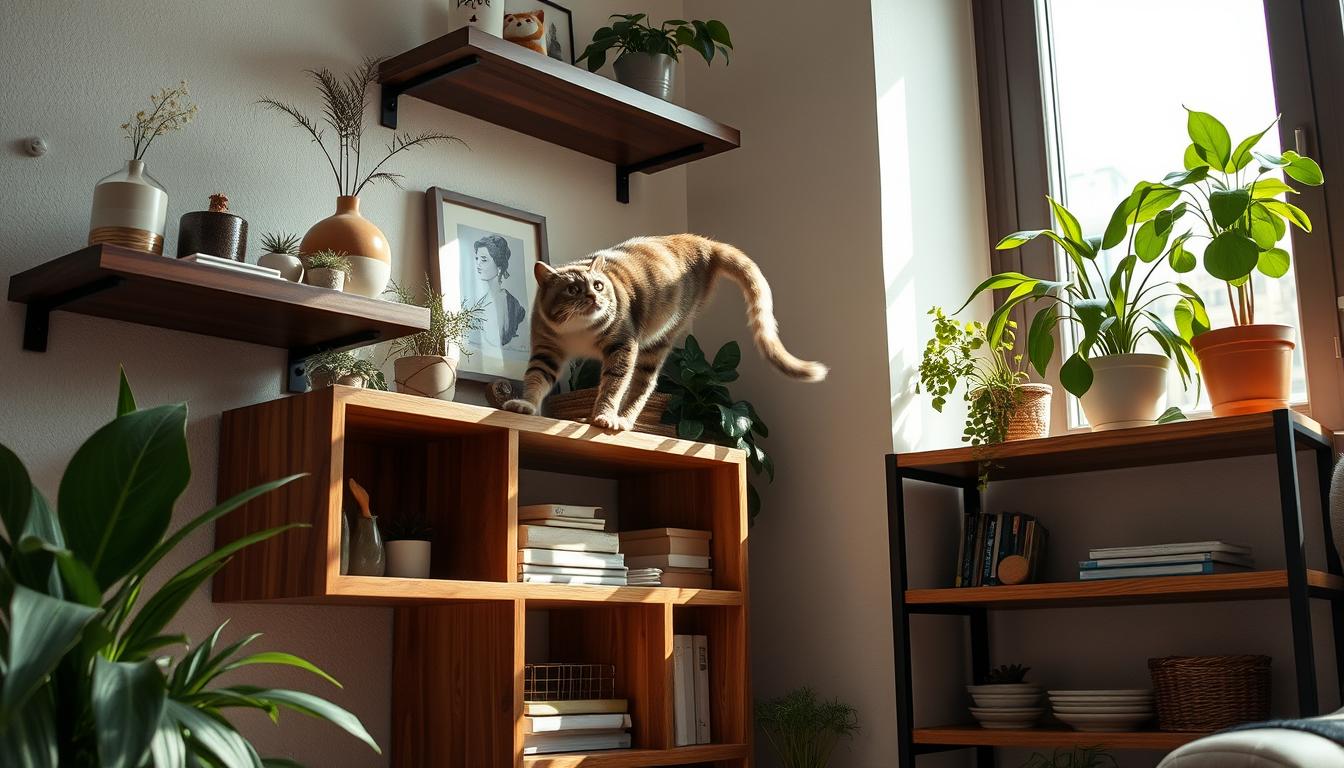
x,y
526,29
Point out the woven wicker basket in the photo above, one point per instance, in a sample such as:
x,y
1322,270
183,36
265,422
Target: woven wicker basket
x,y
1031,417
1209,693
579,405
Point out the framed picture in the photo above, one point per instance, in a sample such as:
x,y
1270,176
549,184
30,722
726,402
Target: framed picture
x,y
483,252
558,35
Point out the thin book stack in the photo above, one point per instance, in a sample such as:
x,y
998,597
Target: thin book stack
x,y
690,690
566,544
987,539
668,557
580,725
1181,559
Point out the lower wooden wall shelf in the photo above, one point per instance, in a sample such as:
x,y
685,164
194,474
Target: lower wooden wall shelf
x,y
1047,738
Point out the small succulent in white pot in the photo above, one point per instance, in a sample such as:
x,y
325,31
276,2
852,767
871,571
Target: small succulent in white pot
x,y
426,362
408,540
282,253
326,269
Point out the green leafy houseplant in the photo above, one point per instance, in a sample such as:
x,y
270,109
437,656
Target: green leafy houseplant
x,y
280,242
702,408
93,675
631,34
446,328
961,353
338,261
334,366
1077,757
803,731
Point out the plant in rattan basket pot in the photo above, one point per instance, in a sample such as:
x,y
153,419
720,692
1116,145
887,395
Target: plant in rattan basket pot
x,y
577,403
427,361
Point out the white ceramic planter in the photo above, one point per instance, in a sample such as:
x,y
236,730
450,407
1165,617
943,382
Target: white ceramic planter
x,y
325,278
368,277
130,209
486,15
1127,391
290,266
408,559
428,375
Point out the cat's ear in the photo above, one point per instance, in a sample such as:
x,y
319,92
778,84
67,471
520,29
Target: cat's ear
x,y
543,271
508,19
599,262
541,16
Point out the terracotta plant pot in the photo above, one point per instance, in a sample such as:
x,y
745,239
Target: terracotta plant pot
x,y
1127,391
408,558
348,231
325,278
1031,417
427,375
1246,368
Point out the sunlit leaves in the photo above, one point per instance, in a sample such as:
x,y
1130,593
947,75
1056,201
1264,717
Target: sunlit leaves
x,y
1231,255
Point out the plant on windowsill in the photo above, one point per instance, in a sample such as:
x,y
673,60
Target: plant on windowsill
x,y
648,58
803,731
1119,385
94,675
327,368
407,539
1247,366
427,361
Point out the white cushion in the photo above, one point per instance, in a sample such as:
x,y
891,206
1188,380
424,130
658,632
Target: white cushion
x,y
1260,748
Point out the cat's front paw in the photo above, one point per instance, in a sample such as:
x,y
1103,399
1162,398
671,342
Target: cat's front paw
x,y
520,406
611,422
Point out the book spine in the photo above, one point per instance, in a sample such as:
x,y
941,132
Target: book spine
x,y
683,691
961,550
1029,549
987,553
700,647
978,553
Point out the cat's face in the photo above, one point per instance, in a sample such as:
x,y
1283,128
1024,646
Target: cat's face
x,y
574,297
523,25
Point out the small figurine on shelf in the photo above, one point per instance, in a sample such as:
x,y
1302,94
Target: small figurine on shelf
x,y
367,556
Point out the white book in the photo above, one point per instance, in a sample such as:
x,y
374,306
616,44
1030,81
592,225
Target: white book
x,y
597,581
1179,559
536,511
1156,570
561,723
564,570
667,561
1169,549
542,537
683,691
570,559
575,523
546,743
700,655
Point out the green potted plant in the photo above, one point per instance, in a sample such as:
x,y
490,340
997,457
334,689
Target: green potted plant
x,y
94,673
1114,315
803,731
1248,365
407,541
326,269
426,362
346,368
281,252
648,54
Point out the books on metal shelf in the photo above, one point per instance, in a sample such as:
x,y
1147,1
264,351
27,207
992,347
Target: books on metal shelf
x,y
669,557
565,544
987,539
1179,559
690,690
577,725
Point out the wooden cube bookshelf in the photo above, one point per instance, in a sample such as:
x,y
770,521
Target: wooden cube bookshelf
x,y
460,636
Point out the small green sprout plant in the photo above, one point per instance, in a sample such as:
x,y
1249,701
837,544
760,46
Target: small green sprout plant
x,y
338,261
280,242
802,730
631,34
411,526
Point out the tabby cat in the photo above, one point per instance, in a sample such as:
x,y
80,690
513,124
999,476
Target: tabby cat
x,y
626,305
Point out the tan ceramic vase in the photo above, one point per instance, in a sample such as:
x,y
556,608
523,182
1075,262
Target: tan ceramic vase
x,y
348,231
1247,368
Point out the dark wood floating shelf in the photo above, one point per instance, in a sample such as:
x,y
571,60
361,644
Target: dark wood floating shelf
x,y
503,83
1182,441
137,287
1047,738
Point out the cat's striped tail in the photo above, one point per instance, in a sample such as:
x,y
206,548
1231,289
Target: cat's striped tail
x,y
736,265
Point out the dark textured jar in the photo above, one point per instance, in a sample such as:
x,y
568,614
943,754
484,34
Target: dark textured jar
x,y
215,232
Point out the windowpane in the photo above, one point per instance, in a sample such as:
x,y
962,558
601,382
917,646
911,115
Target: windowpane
x,y
1117,79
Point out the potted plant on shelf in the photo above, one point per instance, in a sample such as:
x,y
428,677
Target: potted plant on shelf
x,y
326,269
95,673
407,540
648,54
426,363
344,104
577,403
327,368
1247,366
803,731
130,208
282,253
1118,384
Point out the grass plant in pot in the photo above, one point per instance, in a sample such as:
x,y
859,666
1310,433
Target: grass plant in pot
x,y
407,541
327,368
802,730
281,252
326,269
648,54
1115,316
426,362
1247,365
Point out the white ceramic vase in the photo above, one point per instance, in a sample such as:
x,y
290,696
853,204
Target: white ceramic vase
x,y
408,559
428,375
486,15
325,278
130,209
1127,391
368,277
290,266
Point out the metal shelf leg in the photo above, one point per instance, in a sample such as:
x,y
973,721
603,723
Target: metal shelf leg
x,y
1299,603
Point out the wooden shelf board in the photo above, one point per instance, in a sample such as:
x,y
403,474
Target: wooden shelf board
x,y
552,100
1253,585
1038,738
185,296
374,590
1195,440
639,758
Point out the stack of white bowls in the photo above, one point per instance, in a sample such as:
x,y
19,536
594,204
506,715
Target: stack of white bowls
x,y
1103,710
1006,705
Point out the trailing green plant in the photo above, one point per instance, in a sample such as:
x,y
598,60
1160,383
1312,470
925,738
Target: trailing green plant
x,y
1240,210
1077,757
280,242
631,34
344,106
409,526
802,730
337,365
91,671
446,328
1007,674
993,375
334,260
702,408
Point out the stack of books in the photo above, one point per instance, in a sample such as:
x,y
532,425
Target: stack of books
x,y
680,557
564,544
987,539
1180,559
581,725
690,689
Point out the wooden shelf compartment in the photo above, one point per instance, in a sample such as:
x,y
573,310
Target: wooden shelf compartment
x,y
726,632
1250,585
720,755
1177,442
137,287
1047,738
500,82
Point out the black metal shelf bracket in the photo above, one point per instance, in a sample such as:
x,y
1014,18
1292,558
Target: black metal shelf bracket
x,y
393,91
37,319
623,171
298,357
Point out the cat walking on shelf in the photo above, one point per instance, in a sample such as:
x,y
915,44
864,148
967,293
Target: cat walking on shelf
x,y
625,305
